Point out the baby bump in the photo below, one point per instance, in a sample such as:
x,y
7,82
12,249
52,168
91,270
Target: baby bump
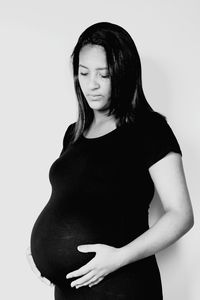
x,y
54,241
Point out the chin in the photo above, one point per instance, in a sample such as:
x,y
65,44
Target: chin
x,y
97,106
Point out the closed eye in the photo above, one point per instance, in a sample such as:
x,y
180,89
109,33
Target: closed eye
x,y
103,76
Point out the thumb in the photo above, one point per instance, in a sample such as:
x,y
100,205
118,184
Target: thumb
x,y
86,248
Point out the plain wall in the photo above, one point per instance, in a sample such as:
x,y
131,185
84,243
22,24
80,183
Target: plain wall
x,y
38,103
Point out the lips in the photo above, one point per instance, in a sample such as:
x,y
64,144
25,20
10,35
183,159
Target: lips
x,y
95,97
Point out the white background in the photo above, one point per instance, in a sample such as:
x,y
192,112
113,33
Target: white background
x,y
38,103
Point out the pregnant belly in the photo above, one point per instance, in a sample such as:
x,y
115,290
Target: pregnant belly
x,y
54,241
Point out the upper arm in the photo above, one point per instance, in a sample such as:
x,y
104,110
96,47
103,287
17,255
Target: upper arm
x,y
66,138
169,180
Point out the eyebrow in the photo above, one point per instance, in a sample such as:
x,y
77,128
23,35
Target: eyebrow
x,y
103,68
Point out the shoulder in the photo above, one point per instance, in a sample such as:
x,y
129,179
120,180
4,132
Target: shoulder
x,y
153,126
151,120
70,128
69,131
156,137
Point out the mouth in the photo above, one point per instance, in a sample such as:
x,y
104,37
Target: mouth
x,y
95,97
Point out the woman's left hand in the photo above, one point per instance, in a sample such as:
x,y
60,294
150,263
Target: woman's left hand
x,y
106,260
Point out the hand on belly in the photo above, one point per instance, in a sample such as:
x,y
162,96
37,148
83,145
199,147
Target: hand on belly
x,y
105,261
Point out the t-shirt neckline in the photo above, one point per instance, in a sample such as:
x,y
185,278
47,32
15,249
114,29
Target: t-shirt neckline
x,y
106,135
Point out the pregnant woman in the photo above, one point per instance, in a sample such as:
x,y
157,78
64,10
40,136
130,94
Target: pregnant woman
x,y
92,239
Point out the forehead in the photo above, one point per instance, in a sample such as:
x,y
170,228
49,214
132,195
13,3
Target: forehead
x,y
93,55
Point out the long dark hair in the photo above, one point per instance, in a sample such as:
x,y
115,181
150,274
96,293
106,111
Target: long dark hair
x,y
124,66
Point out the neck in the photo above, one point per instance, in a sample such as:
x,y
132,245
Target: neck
x,y
101,117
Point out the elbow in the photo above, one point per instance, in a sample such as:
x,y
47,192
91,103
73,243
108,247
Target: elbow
x,y
188,222
191,221
184,221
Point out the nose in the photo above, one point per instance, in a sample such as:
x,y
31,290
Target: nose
x,y
93,83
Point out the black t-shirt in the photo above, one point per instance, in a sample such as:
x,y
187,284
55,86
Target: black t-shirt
x,y
101,192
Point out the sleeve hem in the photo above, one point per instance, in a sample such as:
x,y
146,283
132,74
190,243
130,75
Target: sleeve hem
x,y
162,155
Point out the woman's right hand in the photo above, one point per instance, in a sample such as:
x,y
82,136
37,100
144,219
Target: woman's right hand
x,y
35,269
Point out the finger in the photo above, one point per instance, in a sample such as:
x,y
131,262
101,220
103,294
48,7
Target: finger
x,y
82,271
87,248
31,261
33,266
35,269
45,280
51,284
83,279
28,251
96,281
89,281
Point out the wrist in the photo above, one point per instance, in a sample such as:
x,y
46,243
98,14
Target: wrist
x,y
125,256
121,257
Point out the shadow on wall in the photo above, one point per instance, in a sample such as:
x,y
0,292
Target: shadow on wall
x,y
170,261
158,91
156,85
174,263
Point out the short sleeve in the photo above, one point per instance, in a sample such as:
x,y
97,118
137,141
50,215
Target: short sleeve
x,y
158,139
67,137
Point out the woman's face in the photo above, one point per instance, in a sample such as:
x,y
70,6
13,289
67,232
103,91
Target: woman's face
x,y
94,78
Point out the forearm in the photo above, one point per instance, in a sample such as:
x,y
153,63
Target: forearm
x,y
169,228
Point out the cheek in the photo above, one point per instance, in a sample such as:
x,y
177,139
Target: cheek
x,y
108,88
81,83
